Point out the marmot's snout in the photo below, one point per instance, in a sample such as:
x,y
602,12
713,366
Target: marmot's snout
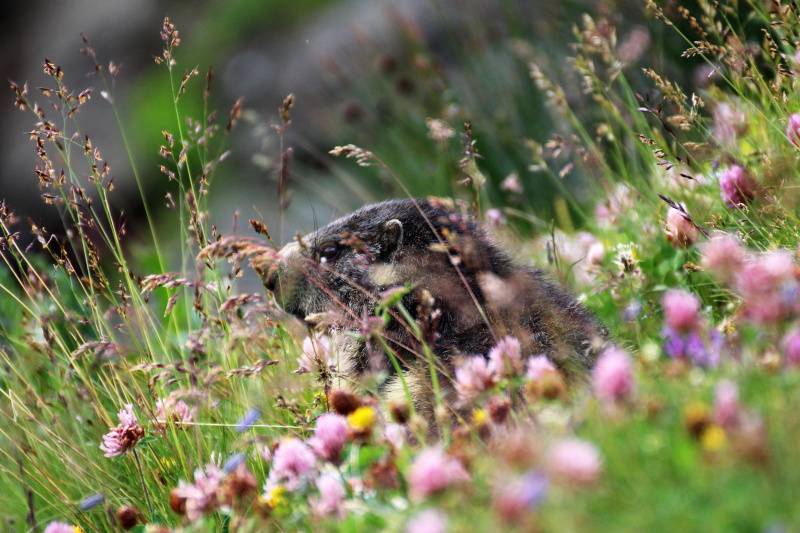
x,y
284,278
272,280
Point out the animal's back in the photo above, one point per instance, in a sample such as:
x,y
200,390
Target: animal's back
x,y
466,294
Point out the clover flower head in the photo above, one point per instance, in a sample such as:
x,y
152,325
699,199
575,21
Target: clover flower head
x,y
330,438
428,521
681,231
125,436
729,123
738,186
395,435
769,288
511,183
316,354
292,463
514,497
791,348
574,462
612,376
178,412
331,495
203,496
433,471
473,376
506,357
681,311
723,255
59,527
595,254
793,129
726,404
539,367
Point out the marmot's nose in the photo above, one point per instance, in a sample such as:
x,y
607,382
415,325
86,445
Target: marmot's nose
x,y
272,280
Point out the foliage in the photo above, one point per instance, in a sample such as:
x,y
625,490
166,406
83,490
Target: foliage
x,y
216,414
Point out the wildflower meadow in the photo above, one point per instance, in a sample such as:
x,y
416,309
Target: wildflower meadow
x,y
143,388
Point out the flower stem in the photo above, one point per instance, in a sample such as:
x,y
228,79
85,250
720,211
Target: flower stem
x,y
144,485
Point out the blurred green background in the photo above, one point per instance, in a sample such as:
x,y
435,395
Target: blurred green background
x,y
364,72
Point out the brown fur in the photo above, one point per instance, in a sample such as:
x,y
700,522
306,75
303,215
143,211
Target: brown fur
x,y
467,294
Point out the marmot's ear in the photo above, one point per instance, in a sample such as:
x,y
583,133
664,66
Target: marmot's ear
x,y
391,237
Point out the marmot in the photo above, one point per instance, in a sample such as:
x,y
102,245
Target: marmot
x,y
466,294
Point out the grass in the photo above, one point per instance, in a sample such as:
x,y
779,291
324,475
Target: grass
x,y
224,428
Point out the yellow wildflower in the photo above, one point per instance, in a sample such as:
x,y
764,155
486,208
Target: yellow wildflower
x,y
713,438
362,418
275,496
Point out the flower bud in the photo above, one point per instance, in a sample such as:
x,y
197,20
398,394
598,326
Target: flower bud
x,y
343,402
127,517
177,502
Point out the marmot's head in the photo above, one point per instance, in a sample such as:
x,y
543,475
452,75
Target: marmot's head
x,y
345,265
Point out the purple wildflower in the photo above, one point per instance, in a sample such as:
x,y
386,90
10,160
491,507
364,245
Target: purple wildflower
x,y
769,288
91,501
331,495
433,471
316,354
791,348
473,376
233,462
681,233
738,186
330,438
723,256
513,498
495,217
505,359
539,367
595,254
202,496
793,129
59,527
574,462
703,351
729,123
125,436
681,311
612,376
247,420
726,404
292,463
511,183
428,521
395,435
176,411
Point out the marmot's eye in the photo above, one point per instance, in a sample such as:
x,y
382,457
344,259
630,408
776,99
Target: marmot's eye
x,y
329,252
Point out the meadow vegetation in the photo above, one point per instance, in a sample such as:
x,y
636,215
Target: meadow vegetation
x,y
139,396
